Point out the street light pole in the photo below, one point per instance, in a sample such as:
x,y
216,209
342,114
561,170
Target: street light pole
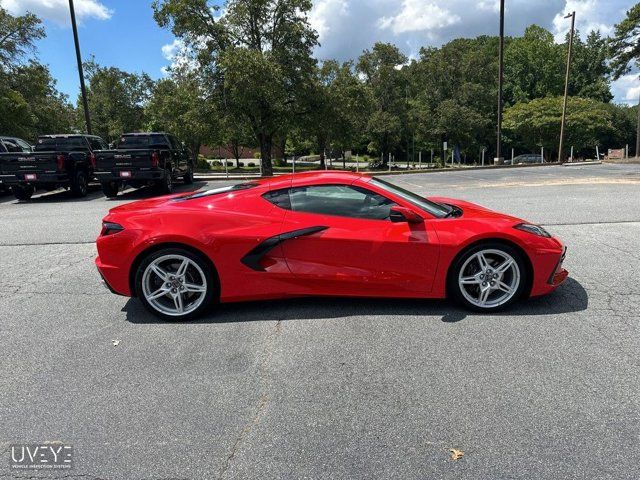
x,y
500,82
85,104
572,15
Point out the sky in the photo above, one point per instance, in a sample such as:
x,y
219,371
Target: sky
x,y
122,33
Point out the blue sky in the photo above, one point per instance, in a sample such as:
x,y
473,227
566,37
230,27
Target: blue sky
x,y
122,33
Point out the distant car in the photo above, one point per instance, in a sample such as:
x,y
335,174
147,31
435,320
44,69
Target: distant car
x,y
64,160
527,159
323,234
149,158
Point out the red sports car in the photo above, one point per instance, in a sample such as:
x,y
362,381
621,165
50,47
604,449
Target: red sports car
x,y
330,234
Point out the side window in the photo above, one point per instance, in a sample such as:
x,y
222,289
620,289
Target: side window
x,y
25,146
12,146
96,144
340,200
173,142
280,198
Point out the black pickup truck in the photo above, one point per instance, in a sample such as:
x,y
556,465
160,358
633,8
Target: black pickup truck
x,y
139,159
56,161
13,145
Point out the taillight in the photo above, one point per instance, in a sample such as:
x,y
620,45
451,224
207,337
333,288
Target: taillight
x,y
155,160
109,228
60,162
92,160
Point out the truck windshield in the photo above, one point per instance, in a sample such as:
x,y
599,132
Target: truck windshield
x,y
57,144
128,142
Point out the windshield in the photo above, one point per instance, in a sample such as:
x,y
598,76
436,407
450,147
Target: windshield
x,y
133,142
435,209
53,144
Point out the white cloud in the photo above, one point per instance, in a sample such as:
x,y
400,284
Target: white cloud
x,y
418,16
58,10
627,89
323,12
590,15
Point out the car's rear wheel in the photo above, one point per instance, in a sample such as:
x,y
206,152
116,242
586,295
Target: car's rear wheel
x,y
188,177
23,192
488,277
175,284
79,184
110,189
165,185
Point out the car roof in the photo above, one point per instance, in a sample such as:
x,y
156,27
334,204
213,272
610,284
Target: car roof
x,y
142,134
311,178
68,135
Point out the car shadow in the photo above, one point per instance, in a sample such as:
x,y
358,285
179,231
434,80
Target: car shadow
x,y
570,297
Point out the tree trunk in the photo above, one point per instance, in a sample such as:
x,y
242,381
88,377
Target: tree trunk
x,y
266,143
322,145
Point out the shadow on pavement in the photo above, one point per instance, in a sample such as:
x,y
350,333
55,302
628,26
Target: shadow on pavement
x,y
570,297
95,193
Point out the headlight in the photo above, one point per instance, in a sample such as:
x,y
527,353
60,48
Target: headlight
x,y
535,229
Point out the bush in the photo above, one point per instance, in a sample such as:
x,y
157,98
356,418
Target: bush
x,y
251,164
257,155
202,164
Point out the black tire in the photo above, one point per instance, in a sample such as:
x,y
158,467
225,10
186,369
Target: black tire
x,y
165,185
210,297
188,178
23,192
79,184
455,289
110,189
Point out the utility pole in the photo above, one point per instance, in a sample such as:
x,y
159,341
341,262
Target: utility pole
x,y
85,104
572,15
500,83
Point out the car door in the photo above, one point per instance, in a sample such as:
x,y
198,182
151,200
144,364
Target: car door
x,y
347,244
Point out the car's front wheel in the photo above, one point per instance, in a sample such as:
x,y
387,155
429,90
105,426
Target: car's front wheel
x,y
488,277
175,284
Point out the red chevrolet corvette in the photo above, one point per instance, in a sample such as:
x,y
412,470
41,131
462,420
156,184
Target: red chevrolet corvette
x,y
330,234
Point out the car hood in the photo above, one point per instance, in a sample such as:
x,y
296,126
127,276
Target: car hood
x,y
477,212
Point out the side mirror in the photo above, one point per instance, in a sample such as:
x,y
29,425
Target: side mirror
x,y
401,214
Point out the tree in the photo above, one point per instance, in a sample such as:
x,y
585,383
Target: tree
x,y
17,37
387,87
179,106
116,100
258,53
625,52
536,123
590,68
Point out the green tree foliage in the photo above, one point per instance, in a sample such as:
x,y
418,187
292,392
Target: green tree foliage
x,y
18,35
589,123
179,106
387,87
29,101
116,100
454,93
625,44
258,53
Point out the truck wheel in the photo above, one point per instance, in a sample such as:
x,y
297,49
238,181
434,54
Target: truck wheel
x,y
23,192
188,178
110,189
79,184
165,185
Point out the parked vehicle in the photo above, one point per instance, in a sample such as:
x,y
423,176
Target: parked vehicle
x,y
14,145
528,158
139,159
321,233
56,161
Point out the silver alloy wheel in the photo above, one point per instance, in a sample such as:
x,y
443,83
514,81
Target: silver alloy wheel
x,y
489,278
174,285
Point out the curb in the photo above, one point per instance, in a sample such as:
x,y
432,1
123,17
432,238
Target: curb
x,y
210,178
577,164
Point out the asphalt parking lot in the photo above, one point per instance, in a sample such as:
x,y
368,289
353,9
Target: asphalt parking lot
x,y
326,388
